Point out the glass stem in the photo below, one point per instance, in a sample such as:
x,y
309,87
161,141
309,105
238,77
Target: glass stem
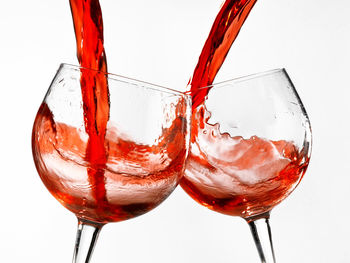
x,y
261,232
87,235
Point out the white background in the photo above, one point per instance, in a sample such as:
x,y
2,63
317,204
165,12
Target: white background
x,y
160,41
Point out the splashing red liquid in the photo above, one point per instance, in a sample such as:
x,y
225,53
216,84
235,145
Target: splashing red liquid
x,y
255,174
137,177
223,33
251,185
239,176
88,26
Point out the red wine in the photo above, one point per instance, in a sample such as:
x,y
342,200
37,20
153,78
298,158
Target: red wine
x,y
137,177
88,25
232,175
224,31
245,187
124,178
99,203
237,176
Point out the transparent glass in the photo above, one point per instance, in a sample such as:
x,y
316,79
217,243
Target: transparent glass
x,y
250,147
146,143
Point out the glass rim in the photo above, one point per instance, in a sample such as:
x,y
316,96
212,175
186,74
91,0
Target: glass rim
x,y
247,77
117,77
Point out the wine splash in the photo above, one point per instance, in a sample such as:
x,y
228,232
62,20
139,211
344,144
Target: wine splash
x,y
138,177
88,26
239,176
264,176
228,186
223,33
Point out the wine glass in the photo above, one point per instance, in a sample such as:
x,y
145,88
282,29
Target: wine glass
x,y
250,147
130,169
